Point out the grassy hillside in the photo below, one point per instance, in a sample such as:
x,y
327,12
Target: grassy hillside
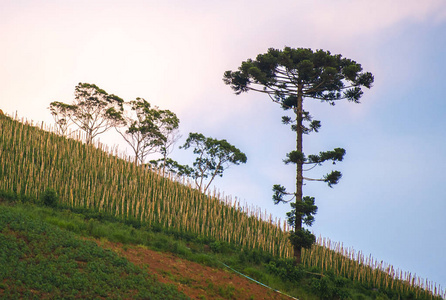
x,y
40,261
103,187
33,160
47,261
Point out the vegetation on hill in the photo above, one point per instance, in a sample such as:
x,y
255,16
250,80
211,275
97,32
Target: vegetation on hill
x,y
40,261
280,274
91,192
83,176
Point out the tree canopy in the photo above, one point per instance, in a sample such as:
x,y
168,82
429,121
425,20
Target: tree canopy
x,y
288,77
286,74
61,115
93,110
213,157
148,129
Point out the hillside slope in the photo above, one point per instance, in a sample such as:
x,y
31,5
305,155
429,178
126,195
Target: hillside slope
x,y
193,279
103,187
40,261
33,160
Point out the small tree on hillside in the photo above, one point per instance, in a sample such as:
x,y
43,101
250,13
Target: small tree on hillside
x,y
173,167
94,111
288,77
213,157
172,137
61,115
148,130
168,126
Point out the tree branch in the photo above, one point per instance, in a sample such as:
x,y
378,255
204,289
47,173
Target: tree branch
x,y
312,179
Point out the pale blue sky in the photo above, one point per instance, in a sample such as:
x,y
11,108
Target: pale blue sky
x,y
391,200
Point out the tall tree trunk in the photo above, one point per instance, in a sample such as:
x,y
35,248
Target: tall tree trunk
x,y
299,175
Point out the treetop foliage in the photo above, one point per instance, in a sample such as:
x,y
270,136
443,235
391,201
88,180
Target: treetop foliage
x,y
280,73
213,157
221,149
93,110
151,121
148,129
91,93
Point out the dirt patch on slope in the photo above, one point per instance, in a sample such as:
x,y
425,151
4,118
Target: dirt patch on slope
x,y
195,280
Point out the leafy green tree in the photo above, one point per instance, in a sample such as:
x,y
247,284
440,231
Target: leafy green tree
x,y
94,111
148,130
173,167
288,77
172,135
213,157
61,115
165,149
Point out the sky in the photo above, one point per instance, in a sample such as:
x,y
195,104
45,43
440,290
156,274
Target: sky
x,y
390,202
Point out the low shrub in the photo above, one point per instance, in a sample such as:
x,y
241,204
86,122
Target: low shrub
x,y
49,198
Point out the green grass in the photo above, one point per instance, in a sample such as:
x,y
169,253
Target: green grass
x,y
93,193
34,161
39,260
63,251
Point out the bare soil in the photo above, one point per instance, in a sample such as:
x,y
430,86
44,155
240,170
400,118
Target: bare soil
x,y
193,279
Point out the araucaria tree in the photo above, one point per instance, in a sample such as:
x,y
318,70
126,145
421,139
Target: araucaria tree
x,y
94,110
288,77
213,157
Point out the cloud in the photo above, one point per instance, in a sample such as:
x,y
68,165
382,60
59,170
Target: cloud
x,y
352,18
175,54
